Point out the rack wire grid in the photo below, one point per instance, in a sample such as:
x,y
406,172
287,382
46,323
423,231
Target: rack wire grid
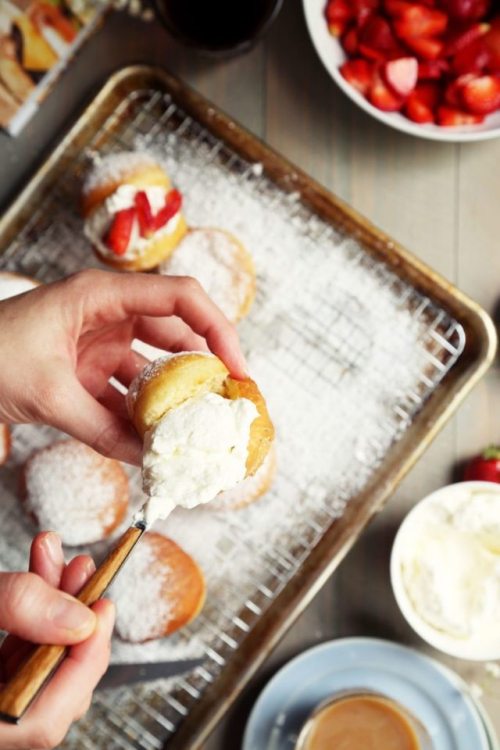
x,y
148,715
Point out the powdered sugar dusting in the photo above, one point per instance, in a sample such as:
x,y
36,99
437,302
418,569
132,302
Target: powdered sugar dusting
x,y
115,167
218,262
69,489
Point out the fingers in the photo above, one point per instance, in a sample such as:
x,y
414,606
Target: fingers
x,y
33,610
170,334
46,557
107,300
129,367
76,574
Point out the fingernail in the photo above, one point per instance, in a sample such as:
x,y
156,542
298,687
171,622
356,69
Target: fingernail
x,y
70,614
53,547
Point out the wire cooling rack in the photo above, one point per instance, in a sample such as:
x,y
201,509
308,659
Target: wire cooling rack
x,y
324,334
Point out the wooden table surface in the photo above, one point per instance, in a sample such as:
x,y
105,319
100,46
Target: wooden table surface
x,y
441,201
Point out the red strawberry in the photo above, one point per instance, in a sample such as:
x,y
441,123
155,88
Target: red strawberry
x,y
338,14
492,44
359,73
453,92
418,21
466,10
382,97
363,9
173,203
432,70
481,96
118,235
377,41
485,468
449,117
401,75
396,8
461,38
474,58
350,41
422,102
144,214
428,49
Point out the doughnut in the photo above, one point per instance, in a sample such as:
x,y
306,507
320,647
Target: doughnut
x,y
4,443
132,214
249,489
221,264
69,488
15,283
173,380
160,590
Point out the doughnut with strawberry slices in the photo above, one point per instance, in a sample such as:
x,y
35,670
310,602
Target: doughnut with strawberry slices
x,y
132,214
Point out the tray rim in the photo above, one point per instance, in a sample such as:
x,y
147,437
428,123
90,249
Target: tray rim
x,y
439,407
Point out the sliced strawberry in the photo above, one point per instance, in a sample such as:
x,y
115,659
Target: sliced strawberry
x,y
172,205
359,73
451,117
350,41
421,104
427,49
432,70
401,75
466,10
144,214
460,38
453,92
377,41
475,58
338,14
481,96
418,21
396,8
119,233
382,97
363,9
492,44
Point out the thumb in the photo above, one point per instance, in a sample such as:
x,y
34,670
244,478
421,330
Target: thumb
x,y
36,612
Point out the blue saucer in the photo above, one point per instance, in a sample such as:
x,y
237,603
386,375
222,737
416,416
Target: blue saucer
x,y
432,693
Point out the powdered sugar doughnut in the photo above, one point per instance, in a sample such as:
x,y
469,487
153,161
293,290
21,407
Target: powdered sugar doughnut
x,y
132,215
159,590
248,490
4,443
221,264
71,489
12,284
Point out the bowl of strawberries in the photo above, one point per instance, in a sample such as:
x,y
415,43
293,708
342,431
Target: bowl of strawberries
x,y
430,68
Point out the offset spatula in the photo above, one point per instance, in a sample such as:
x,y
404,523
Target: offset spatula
x,y
22,689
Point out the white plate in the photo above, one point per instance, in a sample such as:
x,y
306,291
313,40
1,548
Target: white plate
x,y
435,695
332,56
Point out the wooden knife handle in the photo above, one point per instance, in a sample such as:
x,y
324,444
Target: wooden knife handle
x,y
22,689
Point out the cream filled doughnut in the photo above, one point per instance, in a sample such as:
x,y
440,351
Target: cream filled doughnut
x,y
4,443
249,489
12,284
221,264
132,213
203,430
160,590
69,488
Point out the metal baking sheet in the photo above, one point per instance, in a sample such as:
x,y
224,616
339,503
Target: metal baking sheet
x,y
149,106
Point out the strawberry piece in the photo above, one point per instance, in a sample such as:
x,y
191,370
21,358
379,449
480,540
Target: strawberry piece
x,y
118,235
363,9
377,41
173,203
418,21
432,70
481,96
401,75
453,92
421,104
484,468
428,49
350,41
492,45
338,14
382,97
359,73
396,8
474,58
466,10
461,38
451,117
144,214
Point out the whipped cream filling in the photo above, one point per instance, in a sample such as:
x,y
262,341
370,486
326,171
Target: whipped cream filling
x,y
451,565
194,452
100,220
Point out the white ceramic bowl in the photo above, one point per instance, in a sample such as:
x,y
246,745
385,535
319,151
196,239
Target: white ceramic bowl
x,y
332,56
476,649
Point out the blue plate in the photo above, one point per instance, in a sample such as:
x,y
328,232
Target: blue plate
x,y
432,693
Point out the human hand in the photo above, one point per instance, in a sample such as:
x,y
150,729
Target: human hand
x,y
34,611
60,344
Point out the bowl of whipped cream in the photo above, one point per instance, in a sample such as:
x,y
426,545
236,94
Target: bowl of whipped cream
x,y
445,570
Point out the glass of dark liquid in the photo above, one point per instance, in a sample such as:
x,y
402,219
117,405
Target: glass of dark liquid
x,y
218,27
